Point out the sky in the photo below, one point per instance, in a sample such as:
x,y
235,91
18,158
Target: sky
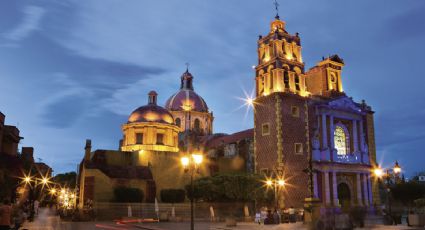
x,y
73,70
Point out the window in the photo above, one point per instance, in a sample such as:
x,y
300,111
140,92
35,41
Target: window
x,y
265,129
159,139
341,140
264,171
139,138
295,111
197,125
178,122
297,82
298,148
286,79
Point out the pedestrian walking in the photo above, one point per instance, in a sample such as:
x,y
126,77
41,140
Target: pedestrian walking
x,y
5,215
36,206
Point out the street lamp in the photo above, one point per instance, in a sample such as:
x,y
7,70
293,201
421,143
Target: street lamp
x,y
276,184
379,173
191,165
397,168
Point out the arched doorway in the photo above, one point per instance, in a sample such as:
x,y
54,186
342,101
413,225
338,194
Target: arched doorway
x,y
344,196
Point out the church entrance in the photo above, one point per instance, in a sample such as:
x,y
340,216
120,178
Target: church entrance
x,y
344,196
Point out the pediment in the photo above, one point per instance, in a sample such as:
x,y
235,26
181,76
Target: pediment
x,y
345,103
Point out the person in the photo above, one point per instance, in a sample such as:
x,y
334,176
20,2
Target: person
x,y
292,217
36,206
5,215
263,214
276,217
19,217
258,217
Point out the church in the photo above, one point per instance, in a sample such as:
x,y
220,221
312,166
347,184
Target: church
x,y
299,115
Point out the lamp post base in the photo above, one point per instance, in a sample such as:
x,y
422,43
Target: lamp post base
x,y
312,211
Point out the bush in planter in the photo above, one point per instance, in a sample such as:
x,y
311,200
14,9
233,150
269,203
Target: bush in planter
x,y
358,215
128,195
172,195
420,205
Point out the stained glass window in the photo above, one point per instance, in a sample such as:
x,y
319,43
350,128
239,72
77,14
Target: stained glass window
x,y
340,140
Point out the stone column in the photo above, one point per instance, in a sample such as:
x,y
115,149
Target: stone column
x,y
335,189
369,186
359,189
355,137
361,135
332,151
316,194
324,132
365,186
327,189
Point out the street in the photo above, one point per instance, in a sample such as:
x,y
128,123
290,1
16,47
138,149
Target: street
x,y
46,220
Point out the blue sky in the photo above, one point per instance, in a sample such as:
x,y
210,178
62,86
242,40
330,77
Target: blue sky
x,y
71,70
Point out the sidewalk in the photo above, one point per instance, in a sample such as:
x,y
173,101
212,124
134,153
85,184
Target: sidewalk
x,y
249,226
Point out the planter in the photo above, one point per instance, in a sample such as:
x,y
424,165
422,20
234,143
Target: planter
x,y
230,222
416,220
163,216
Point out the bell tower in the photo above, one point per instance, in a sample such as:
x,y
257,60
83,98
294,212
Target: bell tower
x,y
324,79
280,66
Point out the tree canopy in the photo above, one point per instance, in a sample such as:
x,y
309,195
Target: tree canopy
x,y
231,187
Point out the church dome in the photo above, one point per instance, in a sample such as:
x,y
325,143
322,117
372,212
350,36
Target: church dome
x,y
151,112
186,98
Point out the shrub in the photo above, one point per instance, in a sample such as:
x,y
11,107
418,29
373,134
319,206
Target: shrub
x,y
128,195
172,195
230,187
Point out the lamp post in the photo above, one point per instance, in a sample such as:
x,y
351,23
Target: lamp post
x,y
276,184
191,165
379,173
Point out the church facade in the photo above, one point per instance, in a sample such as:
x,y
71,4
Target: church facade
x,y
298,115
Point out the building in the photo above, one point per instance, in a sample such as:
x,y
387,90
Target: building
x,y
297,113
149,155
9,138
14,165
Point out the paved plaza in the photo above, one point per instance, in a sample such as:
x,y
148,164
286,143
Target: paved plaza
x,y
46,220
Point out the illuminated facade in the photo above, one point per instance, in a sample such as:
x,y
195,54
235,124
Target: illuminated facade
x,y
150,128
297,113
280,67
189,110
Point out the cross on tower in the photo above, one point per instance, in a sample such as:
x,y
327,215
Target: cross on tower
x,y
187,66
276,6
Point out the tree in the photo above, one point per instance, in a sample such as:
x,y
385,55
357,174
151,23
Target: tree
x,y
68,179
172,195
128,195
408,192
230,187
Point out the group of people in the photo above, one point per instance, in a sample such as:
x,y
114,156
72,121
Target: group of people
x,y
266,216
16,215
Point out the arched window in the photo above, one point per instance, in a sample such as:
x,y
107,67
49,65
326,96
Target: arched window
x,y
286,79
197,125
341,140
297,82
178,122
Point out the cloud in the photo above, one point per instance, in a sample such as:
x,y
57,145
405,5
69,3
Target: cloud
x,y
30,23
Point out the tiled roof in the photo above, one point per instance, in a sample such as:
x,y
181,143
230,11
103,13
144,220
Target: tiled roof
x,y
232,138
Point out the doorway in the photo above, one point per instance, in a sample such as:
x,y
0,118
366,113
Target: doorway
x,y
344,196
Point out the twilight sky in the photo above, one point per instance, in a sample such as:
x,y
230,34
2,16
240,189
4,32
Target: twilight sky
x,y
72,69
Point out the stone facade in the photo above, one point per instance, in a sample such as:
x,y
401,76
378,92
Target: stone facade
x,y
297,114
